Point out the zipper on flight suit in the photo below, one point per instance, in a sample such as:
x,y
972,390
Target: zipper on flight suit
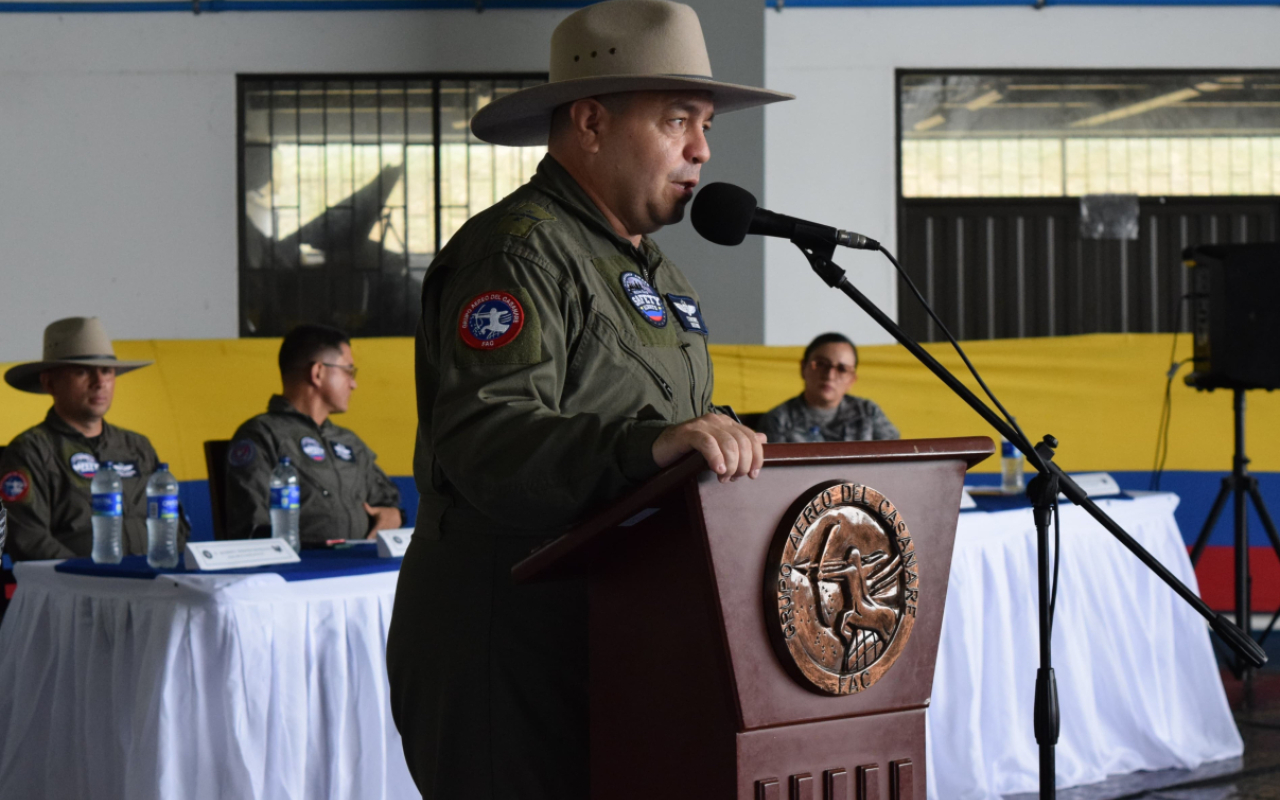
x,y
693,380
666,387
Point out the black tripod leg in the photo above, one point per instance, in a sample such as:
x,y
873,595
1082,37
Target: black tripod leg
x,y
1219,503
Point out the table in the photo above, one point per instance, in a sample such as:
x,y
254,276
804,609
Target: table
x,y
198,686
251,686
1137,681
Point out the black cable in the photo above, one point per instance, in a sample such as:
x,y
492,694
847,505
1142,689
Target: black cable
x,y
1166,407
1013,423
1057,539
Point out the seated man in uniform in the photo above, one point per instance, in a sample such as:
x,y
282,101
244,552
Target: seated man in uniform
x,y
344,494
824,412
561,361
45,471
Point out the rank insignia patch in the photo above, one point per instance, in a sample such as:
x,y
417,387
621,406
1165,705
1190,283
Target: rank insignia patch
x,y
242,453
15,486
645,299
688,312
342,451
312,448
490,321
521,220
84,465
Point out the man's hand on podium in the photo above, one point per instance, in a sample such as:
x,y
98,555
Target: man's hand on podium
x,y
730,448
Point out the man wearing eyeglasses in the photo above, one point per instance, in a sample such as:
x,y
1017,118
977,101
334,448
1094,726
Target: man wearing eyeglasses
x,y
825,412
344,494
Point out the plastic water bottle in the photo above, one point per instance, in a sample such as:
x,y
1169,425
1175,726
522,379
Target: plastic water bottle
x,y
107,497
162,519
286,503
1011,465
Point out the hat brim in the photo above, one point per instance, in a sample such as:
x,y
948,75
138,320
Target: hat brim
x,y
523,118
26,377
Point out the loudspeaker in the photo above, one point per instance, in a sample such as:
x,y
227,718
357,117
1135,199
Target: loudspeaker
x,y
1235,315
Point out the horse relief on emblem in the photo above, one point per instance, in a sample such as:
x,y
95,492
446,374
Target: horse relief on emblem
x,y
843,586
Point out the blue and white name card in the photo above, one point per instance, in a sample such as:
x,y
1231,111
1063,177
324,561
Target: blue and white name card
x,y
238,554
393,543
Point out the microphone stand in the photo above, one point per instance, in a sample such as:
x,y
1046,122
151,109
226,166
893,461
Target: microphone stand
x,y
1042,491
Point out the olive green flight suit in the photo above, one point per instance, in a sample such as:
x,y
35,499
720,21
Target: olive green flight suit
x,y
546,368
337,475
44,482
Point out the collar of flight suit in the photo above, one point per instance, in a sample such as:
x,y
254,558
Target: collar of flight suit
x,y
279,404
553,179
61,427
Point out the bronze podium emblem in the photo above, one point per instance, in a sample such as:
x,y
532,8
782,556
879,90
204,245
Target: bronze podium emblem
x,y
842,588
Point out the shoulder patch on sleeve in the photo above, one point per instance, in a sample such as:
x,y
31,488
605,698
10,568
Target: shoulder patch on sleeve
x,y
500,326
242,453
522,219
15,486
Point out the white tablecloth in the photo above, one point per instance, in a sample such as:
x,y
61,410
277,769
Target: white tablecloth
x,y
194,687
1137,682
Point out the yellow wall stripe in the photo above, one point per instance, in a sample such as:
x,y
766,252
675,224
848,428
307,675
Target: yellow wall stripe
x,y
1099,394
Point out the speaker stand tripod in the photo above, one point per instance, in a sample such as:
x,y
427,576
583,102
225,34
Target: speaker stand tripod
x,y
1240,485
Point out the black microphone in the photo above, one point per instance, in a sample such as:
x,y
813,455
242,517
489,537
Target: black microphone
x,y
725,214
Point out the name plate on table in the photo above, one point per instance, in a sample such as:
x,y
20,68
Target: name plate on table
x,y
239,554
392,543
1095,484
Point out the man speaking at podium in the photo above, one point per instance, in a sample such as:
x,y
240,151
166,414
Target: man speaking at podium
x,y
561,360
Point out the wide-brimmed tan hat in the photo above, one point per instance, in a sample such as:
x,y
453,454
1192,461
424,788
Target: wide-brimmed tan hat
x,y
74,340
615,46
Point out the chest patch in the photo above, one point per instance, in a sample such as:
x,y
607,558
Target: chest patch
x,y
15,487
645,299
688,312
342,451
84,465
312,448
490,321
126,469
242,453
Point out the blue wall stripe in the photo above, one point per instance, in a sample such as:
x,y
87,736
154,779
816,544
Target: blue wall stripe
x,y
1197,490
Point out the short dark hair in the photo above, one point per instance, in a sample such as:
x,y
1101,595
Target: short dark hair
x,y
306,343
830,338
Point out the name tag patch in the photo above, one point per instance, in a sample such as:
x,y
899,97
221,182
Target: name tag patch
x,y
84,465
491,320
312,448
15,486
688,312
645,299
343,452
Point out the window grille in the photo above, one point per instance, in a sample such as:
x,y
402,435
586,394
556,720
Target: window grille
x,y
349,185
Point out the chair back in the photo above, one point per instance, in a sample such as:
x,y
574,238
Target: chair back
x,y
215,460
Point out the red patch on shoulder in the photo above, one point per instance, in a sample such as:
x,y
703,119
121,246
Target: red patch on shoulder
x,y
15,486
491,320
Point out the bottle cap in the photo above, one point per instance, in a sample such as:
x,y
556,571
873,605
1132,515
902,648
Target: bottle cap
x,y
164,467
285,460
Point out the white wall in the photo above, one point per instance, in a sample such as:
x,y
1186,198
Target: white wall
x,y
118,149
118,153
830,155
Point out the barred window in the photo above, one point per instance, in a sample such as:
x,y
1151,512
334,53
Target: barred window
x,y
349,187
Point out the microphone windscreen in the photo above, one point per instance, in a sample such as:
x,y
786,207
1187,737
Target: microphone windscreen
x,y
722,213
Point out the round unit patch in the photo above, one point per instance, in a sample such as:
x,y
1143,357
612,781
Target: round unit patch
x,y
645,299
84,465
491,320
14,487
342,451
312,448
242,453
842,586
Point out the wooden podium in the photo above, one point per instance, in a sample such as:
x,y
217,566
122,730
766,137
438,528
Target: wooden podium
x,y
771,638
